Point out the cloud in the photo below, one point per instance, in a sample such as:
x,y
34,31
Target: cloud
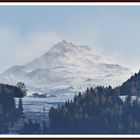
x,y
16,49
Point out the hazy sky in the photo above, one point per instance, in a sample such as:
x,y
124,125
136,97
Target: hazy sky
x,y
26,32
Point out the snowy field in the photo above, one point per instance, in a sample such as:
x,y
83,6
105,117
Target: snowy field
x,y
38,108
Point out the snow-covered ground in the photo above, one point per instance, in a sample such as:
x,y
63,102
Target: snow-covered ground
x,y
124,97
37,109
34,107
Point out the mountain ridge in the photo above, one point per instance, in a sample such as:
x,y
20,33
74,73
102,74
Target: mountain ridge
x,y
67,64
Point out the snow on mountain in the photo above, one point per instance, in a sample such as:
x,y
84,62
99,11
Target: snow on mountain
x,y
66,67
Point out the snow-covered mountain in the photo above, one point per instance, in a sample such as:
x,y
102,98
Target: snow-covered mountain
x,y
66,68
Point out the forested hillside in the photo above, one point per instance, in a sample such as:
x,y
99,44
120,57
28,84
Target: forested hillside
x,y
97,111
131,86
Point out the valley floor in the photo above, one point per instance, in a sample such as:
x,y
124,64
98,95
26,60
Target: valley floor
x,y
37,109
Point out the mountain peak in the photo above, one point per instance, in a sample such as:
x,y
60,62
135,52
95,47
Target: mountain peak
x,y
64,46
64,42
